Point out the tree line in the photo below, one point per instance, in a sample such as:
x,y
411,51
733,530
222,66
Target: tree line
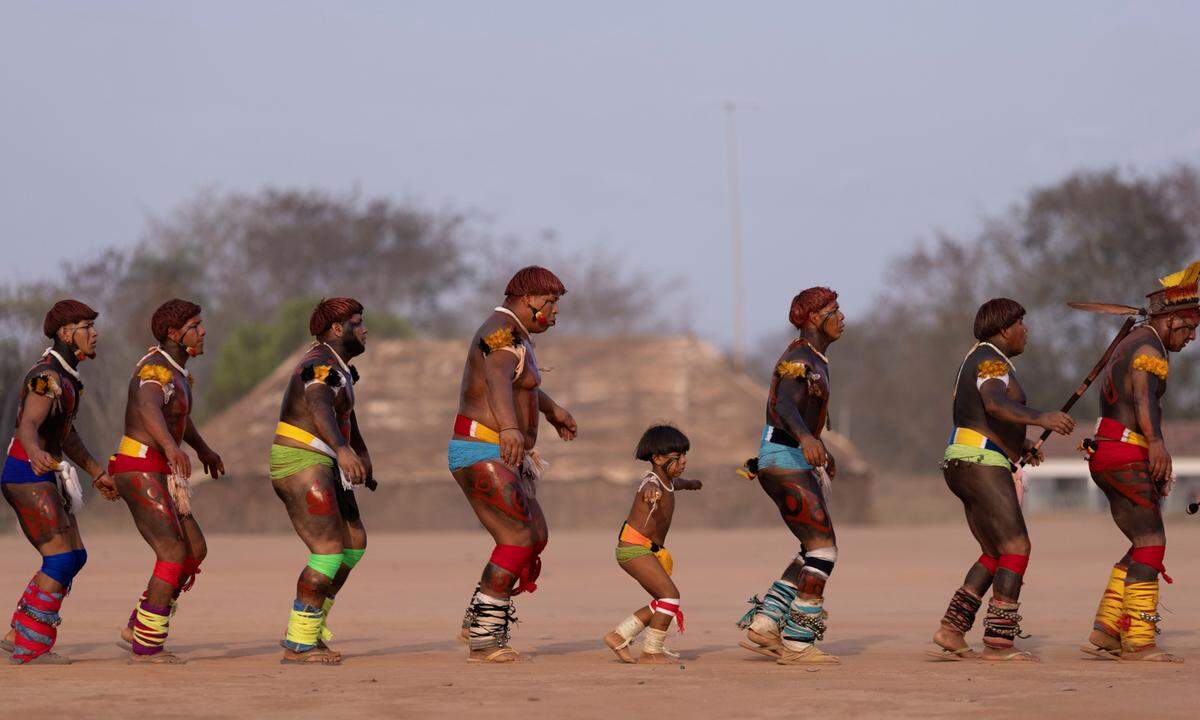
x,y
258,262
1103,236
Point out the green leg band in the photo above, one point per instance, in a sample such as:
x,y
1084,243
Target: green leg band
x,y
327,565
350,557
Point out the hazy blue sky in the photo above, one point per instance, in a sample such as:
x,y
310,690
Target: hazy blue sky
x,y
869,125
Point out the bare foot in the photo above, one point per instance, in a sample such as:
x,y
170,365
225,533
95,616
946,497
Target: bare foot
x,y
757,642
620,646
162,658
126,640
322,646
951,646
316,656
811,655
1010,654
1150,653
1102,645
496,655
648,658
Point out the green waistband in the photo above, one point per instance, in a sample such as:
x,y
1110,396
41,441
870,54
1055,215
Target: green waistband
x,y
982,456
287,461
625,554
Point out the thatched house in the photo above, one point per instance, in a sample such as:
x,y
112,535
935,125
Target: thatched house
x,y
615,387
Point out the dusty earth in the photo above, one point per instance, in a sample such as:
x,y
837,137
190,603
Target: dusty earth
x,y
398,616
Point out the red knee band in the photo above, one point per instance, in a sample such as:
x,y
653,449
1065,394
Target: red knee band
x,y
191,568
990,562
1151,556
1015,563
520,561
168,572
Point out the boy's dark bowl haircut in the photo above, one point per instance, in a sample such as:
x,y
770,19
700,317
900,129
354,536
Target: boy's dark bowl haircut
x,y
661,440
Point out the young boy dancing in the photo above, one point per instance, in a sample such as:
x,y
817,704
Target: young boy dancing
x,y
640,550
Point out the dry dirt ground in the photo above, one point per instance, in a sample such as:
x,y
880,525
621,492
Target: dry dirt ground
x,y
397,618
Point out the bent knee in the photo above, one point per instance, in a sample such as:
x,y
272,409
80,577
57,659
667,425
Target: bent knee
x,y
1016,546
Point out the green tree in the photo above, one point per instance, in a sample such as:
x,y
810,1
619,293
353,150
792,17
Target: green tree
x,y
253,349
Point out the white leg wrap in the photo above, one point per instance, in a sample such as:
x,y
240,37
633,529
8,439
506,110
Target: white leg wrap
x,y
764,625
655,641
629,629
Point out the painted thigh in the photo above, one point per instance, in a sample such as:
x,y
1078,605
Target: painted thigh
x,y
1128,490
46,523
312,505
500,502
797,494
153,513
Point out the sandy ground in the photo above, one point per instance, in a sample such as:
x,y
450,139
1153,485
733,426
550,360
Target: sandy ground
x,y
397,618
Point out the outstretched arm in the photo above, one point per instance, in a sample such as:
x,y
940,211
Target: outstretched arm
x,y
681,484
557,416
360,447
74,449
209,459
999,405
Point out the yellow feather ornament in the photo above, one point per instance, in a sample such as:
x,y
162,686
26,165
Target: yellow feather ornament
x,y
989,369
1153,365
791,369
155,374
500,339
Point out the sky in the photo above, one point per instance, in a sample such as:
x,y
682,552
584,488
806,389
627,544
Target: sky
x,y
863,128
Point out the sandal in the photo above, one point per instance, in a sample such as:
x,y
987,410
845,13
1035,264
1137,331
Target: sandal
x,y
943,654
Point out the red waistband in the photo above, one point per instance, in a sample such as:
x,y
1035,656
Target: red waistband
x,y
1115,451
1109,455
17,450
154,462
1110,429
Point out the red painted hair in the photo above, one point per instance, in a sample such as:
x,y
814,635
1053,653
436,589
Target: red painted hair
x,y
172,315
66,312
330,311
808,302
534,280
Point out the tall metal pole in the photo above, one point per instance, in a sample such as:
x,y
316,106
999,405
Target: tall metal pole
x,y
735,228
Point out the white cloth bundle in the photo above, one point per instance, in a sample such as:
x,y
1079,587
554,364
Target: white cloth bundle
x,y
68,486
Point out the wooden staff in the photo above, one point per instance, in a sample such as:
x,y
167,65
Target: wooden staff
x,y
1087,382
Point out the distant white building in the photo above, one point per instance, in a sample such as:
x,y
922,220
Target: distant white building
x,y
1063,482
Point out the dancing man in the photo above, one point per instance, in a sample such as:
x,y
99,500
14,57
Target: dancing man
x,y
990,418
794,468
492,456
151,473
42,488
316,460
1130,463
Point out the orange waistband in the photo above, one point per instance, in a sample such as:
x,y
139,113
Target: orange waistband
x,y
630,534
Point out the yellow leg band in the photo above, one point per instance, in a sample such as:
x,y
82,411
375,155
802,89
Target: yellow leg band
x,y
1141,615
151,629
1112,604
304,626
326,633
